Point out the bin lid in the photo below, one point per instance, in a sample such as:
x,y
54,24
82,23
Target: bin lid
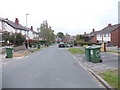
x,y
92,47
88,47
9,47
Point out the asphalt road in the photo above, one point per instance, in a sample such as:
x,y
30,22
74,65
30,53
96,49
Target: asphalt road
x,y
51,67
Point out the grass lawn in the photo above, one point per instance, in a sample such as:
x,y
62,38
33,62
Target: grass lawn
x,y
111,77
43,46
76,50
21,54
25,53
36,49
113,51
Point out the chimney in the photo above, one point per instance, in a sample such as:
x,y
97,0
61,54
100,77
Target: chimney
x,y
16,21
50,27
109,25
31,28
93,30
6,18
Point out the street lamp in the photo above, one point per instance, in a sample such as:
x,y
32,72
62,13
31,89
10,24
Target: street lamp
x,y
26,19
27,31
27,24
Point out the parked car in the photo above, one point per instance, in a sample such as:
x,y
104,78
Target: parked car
x,y
69,45
61,44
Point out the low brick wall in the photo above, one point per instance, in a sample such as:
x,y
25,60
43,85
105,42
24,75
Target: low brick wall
x,y
19,48
3,50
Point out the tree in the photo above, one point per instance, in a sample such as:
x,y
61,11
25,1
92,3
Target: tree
x,y
16,39
5,36
60,35
46,33
82,38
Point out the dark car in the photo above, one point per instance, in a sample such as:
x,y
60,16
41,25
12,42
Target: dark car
x,y
69,45
61,44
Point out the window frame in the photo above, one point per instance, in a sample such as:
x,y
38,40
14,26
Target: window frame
x,y
104,34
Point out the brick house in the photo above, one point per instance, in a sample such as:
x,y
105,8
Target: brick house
x,y
109,34
93,36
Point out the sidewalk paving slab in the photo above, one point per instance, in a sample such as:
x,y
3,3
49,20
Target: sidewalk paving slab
x,y
109,62
6,61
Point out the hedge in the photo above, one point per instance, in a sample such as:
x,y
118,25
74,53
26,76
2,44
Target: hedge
x,y
81,43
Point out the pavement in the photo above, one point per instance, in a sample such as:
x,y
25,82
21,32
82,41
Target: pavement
x,y
6,61
51,67
109,62
115,48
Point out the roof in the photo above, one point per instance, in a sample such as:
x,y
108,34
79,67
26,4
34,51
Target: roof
x,y
94,33
106,30
110,29
1,19
16,26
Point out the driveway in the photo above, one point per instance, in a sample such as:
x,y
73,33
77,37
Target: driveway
x,y
109,62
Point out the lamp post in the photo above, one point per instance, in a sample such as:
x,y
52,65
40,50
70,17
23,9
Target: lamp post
x,y
26,19
27,31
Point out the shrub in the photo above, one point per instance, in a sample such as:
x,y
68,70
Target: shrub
x,y
17,39
75,42
42,41
85,45
98,43
81,43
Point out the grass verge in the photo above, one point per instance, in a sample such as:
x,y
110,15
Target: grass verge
x,y
113,51
21,54
43,46
36,49
76,50
25,53
111,77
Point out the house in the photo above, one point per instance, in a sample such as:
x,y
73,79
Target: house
x,y
93,35
33,35
1,30
16,27
13,27
67,38
109,34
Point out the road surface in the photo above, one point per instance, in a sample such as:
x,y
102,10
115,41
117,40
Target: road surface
x,y
51,67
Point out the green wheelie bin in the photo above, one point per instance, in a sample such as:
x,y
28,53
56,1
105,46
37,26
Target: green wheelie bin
x,y
87,53
95,54
38,46
9,52
34,45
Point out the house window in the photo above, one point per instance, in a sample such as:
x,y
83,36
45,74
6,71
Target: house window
x,y
108,34
104,34
98,35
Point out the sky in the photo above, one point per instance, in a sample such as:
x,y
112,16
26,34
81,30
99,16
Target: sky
x,y
67,16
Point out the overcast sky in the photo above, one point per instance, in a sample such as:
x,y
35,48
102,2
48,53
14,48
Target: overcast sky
x,y
68,16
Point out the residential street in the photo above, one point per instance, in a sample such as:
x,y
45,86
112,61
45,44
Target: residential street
x,y
51,67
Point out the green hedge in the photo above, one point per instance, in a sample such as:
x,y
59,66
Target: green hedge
x,y
81,43
84,43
